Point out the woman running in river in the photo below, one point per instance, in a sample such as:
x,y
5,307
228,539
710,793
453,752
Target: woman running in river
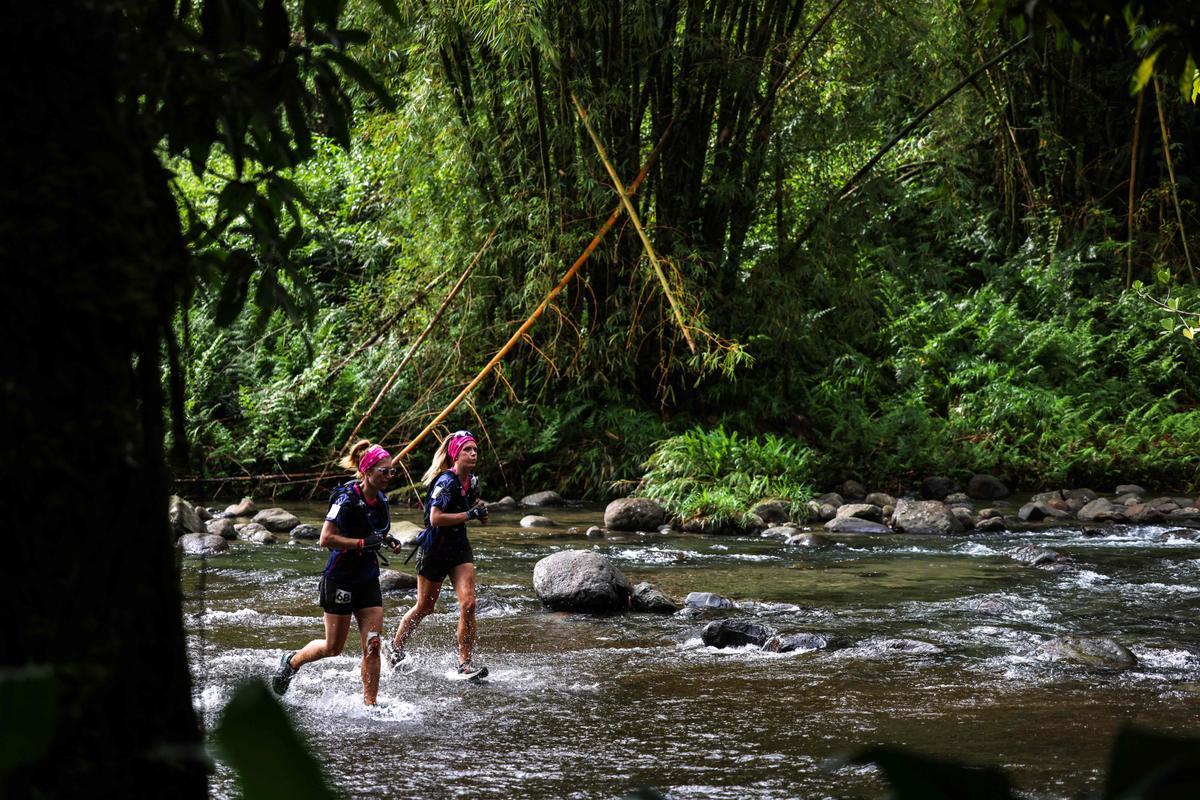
x,y
453,501
356,526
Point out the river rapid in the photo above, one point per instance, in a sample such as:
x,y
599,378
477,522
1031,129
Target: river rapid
x,y
582,706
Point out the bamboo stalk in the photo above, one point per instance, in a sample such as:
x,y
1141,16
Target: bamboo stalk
x,y
850,185
516,337
378,331
1166,143
637,222
412,349
407,357
1133,159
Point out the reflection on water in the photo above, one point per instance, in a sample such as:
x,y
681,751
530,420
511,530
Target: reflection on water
x,y
592,707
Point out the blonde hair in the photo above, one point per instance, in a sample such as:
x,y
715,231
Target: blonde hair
x,y
351,459
441,463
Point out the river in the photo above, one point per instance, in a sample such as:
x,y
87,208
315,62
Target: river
x,y
580,706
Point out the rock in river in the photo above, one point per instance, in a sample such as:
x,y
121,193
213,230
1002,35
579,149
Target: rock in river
x,y
306,532
736,633
580,580
543,499
649,598
634,514
1099,652
855,525
924,517
183,517
195,544
791,643
707,600
276,520
535,521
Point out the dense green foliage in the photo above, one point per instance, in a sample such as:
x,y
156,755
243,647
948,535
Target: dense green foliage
x,y
964,306
720,476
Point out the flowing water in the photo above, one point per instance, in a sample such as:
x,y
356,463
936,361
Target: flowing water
x,y
582,706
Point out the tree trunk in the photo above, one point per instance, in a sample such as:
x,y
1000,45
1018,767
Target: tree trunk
x,y
91,580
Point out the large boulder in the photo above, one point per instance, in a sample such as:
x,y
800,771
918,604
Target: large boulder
x,y
649,598
222,527
634,514
937,487
881,499
305,532
1097,652
202,544
392,581
243,508
986,487
580,580
1101,510
853,491
276,520
773,512
506,503
736,633
1042,509
543,499
183,517
253,532
861,511
924,517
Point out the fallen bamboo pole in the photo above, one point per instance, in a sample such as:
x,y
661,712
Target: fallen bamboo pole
x,y
379,331
579,262
419,341
407,357
637,222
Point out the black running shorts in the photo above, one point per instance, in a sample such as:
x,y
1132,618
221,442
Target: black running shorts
x,y
436,564
341,597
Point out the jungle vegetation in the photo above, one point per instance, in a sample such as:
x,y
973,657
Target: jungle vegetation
x,y
894,237
891,238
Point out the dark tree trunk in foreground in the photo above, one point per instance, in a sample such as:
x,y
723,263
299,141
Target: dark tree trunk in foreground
x,y
91,254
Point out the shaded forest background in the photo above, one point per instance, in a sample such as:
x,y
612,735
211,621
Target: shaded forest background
x,y
980,300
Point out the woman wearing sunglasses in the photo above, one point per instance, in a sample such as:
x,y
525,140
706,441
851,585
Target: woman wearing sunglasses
x,y
356,526
446,552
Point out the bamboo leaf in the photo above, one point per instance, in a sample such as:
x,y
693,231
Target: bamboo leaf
x,y
1145,72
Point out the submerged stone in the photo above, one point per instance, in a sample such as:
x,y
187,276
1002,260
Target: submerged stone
x,y
1096,652
796,642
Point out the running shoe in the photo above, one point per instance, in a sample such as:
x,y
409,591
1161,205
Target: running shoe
x,y
395,655
470,672
283,674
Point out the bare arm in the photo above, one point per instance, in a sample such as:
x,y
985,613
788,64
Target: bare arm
x,y
332,539
440,518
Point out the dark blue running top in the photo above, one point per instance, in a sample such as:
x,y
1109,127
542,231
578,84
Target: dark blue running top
x,y
358,519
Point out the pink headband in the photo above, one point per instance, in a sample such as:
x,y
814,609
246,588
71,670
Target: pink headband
x,y
373,456
457,443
